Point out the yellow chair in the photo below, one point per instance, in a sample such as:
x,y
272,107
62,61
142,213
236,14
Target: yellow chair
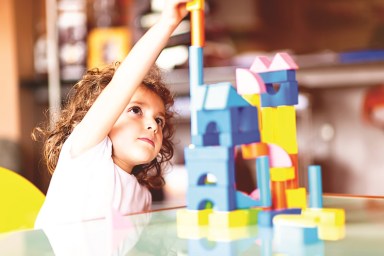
x,y
20,201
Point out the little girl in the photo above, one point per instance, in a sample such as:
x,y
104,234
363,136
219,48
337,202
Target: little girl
x,y
113,136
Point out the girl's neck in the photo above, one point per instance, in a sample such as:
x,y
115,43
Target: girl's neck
x,y
123,165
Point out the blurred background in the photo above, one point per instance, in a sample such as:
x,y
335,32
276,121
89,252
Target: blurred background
x,y
46,45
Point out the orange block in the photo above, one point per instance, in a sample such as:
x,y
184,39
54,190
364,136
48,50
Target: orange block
x,y
279,200
197,28
254,150
294,183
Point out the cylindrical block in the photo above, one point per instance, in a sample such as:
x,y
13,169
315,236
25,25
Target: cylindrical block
x,y
263,180
315,187
292,184
279,200
197,28
196,68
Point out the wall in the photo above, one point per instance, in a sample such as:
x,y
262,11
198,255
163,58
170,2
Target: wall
x,y
9,96
350,150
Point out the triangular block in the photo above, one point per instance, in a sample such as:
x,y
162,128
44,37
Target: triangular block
x,y
260,64
244,201
200,94
223,96
282,61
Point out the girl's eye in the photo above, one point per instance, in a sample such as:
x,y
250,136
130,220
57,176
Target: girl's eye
x,y
135,110
160,121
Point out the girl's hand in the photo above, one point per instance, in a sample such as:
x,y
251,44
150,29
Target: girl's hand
x,y
174,11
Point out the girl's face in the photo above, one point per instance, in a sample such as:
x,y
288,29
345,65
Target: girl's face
x,y
137,135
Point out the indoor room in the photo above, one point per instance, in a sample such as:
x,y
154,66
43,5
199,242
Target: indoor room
x,y
335,53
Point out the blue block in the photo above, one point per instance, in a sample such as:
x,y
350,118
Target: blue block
x,y
217,121
205,140
288,95
224,172
278,76
231,120
196,67
222,198
196,81
248,119
223,96
226,139
315,187
265,217
264,180
232,139
244,201
210,153
194,123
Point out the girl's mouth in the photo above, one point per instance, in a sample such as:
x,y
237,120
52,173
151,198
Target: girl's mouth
x,y
148,141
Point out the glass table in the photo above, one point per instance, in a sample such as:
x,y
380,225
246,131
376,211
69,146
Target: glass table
x,y
157,233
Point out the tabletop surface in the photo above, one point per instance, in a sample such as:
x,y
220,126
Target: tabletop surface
x,y
157,233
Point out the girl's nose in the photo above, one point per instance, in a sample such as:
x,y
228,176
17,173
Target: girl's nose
x,y
152,125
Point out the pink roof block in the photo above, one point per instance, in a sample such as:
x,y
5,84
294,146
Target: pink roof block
x,y
282,61
260,64
248,82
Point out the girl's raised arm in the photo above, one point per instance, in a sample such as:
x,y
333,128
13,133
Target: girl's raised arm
x,y
107,108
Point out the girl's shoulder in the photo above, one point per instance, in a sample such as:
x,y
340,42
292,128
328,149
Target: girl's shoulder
x,y
99,151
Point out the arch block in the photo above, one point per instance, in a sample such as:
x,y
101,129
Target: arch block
x,y
288,94
223,199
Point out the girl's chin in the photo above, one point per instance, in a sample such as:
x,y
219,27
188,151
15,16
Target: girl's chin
x,y
143,160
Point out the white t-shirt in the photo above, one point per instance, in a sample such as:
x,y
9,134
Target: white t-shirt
x,y
88,186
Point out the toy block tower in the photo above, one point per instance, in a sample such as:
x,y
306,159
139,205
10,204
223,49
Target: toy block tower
x,y
258,117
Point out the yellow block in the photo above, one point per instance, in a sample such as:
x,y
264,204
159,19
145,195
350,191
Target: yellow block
x,y
285,134
187,217
237,218
327,216
282,173
269,124
195,5
296,220
253,99
296,198
329,232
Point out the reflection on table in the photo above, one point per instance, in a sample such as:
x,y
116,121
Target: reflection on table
x,y
156,233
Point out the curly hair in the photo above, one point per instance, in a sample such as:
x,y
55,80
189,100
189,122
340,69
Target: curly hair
x,y
81,97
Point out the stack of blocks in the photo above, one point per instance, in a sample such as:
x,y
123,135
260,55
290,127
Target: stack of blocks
x,y
258,118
